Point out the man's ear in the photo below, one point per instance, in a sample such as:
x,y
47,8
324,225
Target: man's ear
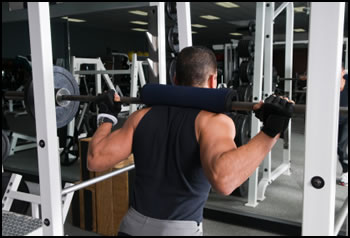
x,y
212,83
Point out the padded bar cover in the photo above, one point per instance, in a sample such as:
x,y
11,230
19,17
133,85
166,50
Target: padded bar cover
x,y
214,100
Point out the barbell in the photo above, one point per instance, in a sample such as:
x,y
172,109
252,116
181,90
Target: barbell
x,y
67,98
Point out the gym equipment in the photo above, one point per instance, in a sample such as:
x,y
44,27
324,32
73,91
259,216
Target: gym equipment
x,y
251,27
64,84
243,129
173,39
241,191
245,93
171,10
5,146
18,206
246,71
242,124
245,48
216,100
172,70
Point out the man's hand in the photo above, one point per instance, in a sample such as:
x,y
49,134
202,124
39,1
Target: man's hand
x,y
275,114
108,107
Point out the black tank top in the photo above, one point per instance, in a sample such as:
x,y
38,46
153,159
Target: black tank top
x,y
169,180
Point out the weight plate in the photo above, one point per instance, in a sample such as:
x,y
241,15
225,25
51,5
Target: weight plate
x,y
242,125
251,27
62,79
171,10
248,93
246,71
250,71
5,146
172,71
243,71
173,39
241,92
241,191
245,48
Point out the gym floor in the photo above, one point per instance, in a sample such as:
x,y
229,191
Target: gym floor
x,y
283,201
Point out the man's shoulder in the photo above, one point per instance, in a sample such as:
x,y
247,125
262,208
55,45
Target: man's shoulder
x,y
137,116
207,118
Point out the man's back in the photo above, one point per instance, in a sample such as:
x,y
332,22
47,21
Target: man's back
x,y
170,182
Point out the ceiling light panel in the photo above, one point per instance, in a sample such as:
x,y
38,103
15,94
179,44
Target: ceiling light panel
x,y
210,17
140,13
227,4
199,26
139,22
299,9
73,19
138,29
236,34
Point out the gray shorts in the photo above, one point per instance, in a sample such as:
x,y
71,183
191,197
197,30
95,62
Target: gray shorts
x,y
136,224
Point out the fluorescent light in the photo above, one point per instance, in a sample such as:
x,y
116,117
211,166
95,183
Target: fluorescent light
x,y
139,22
138,29
227,4
137,12
210,17
194,32
73,19
199,26
299,9
218,47
236,34
299,30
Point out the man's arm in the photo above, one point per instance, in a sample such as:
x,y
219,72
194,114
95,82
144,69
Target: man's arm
x,y
342,84
107,149
225,165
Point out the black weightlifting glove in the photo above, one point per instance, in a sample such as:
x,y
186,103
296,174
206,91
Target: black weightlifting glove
x,y
275,114
108,109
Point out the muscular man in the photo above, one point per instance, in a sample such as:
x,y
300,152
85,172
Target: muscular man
x,y
181,152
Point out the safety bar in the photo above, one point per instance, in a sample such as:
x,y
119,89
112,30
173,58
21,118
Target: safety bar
x,y
339,220
96,180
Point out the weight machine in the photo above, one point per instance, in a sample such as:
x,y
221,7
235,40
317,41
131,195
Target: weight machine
x,y
320,163
51,222
319,187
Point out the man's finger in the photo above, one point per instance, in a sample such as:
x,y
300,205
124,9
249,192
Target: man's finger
x,y
258,105
116,97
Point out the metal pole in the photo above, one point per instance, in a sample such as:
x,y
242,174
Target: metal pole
x,y
326,36
268,62
161,41
184,24
69,66
258,73
96,180
133,81
288,73
346,54
46,132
